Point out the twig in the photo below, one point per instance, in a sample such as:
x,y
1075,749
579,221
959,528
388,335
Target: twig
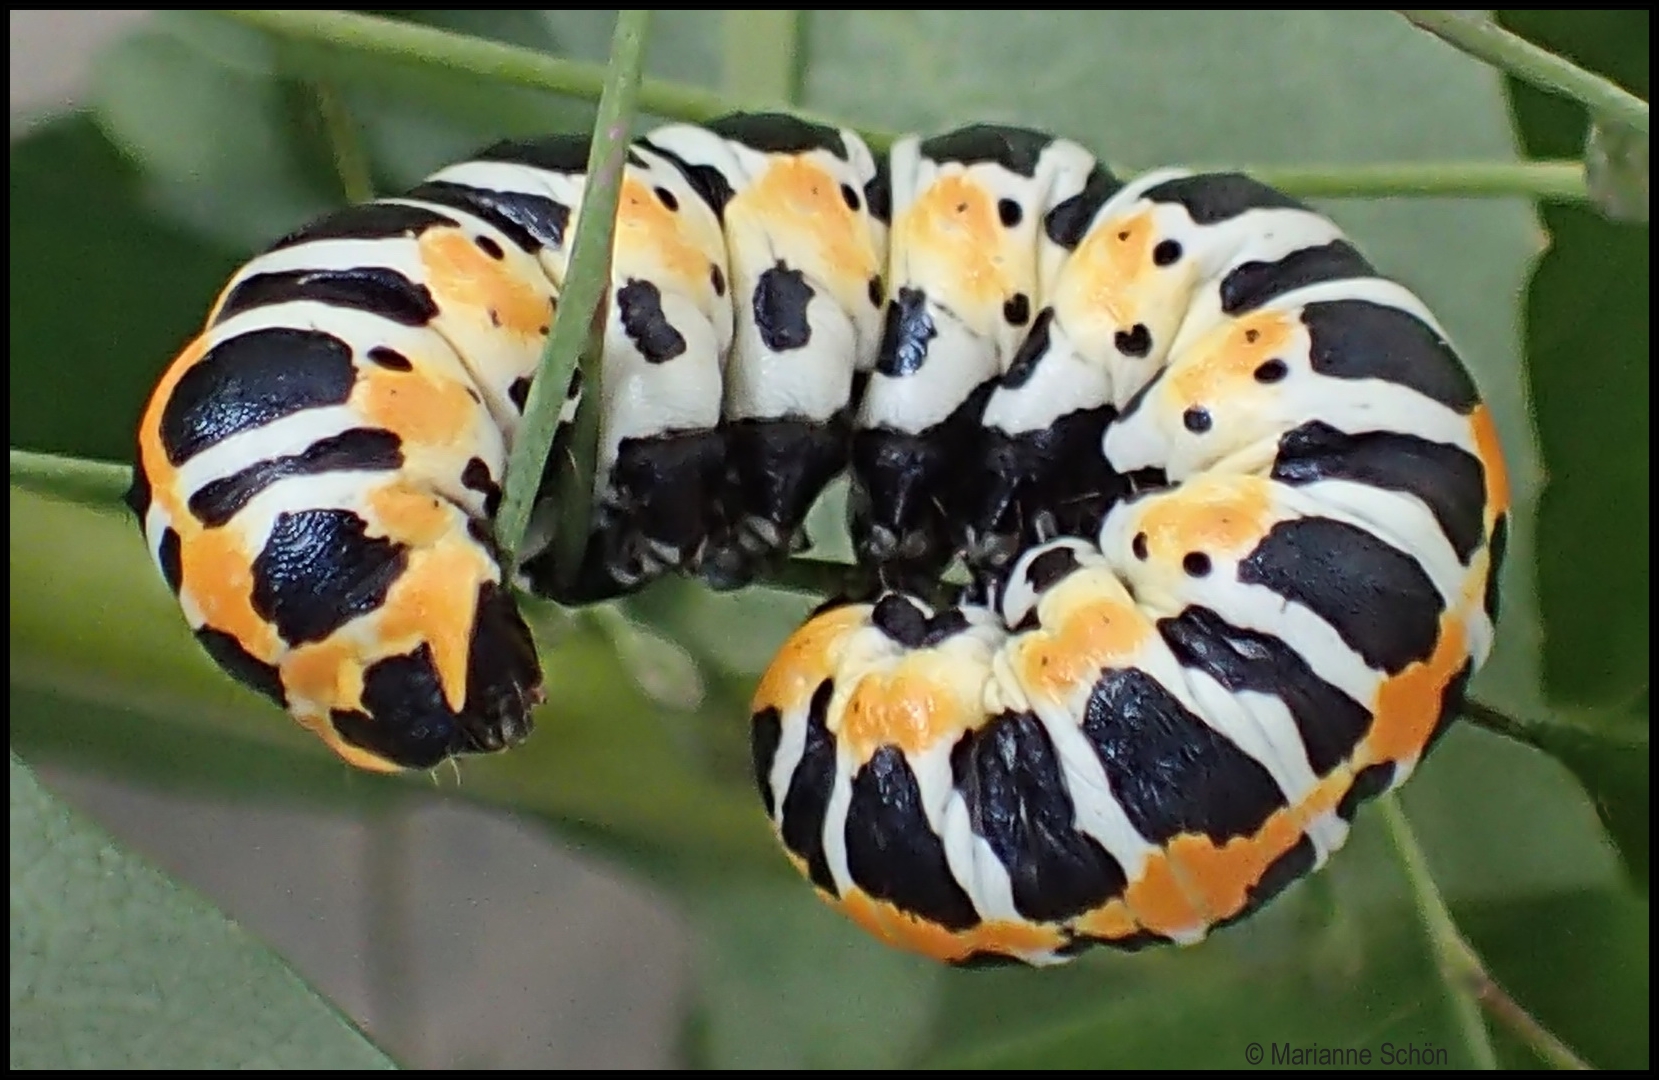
x,y
1486,40
585,281
351,164
1467,981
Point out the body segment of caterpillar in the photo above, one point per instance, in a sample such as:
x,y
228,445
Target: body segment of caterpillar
x,y
1233,507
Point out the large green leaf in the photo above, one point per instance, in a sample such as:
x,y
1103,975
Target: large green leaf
x,y
1597,941
1587,311
1587,357
115,967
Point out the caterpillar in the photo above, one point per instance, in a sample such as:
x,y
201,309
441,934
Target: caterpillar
x,y
1231,506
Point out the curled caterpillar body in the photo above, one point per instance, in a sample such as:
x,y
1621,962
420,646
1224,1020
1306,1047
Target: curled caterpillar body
x,y
1159,723
1233,508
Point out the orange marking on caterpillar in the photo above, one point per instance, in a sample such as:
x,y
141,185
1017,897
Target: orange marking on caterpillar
x,y
930,939
1485,431
218,576
1159,901
322,726
1408,705
422,409
1107,273
1211,514
800,197
435,601
410,517
152,455
327,673
1089,624
651,241
1222,363
808,658
1218,879
465,280
927,697
950,238
1112,921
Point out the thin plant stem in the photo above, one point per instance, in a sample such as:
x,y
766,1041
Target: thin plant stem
x,y
493,60
1486,40
1471,988
1557,181
351,164
585,281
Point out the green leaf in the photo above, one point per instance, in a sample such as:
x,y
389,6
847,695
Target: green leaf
x,y
99,485
1587,978
1588,362
784,985
1361,984
1610,755
1587,317
89,305
115,967
230,146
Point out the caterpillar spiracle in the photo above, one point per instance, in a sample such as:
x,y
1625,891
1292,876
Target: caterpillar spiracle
x,y
1232,506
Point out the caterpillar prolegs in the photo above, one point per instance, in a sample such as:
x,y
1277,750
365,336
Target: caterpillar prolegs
x,y
1232,506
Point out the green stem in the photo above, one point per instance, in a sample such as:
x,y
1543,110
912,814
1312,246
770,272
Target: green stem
x,y
585,283
493,60
1470,986
1554,180
1457,962
762,62
573,484
1499,722
1561,181
1486,40
351,164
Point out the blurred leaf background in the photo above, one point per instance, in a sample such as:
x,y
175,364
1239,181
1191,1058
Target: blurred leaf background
x,y
200,140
